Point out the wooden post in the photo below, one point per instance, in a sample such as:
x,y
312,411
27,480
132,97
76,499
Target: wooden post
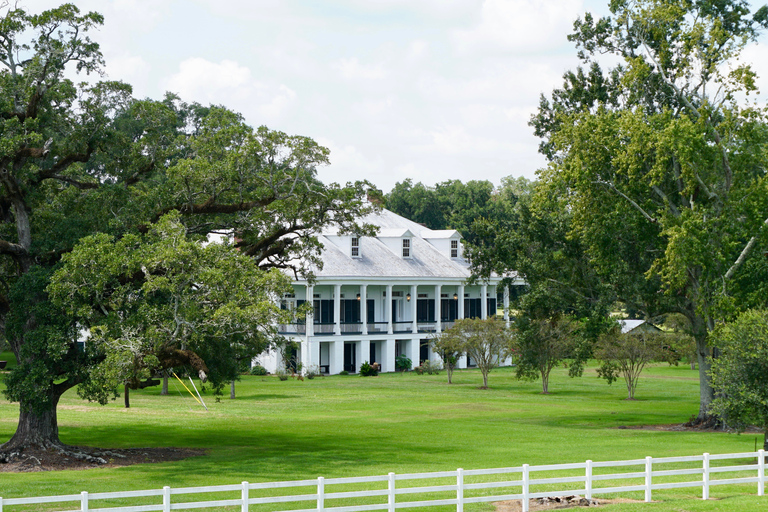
x,y
244,497
648,478
705,478
166,499
526,489
459,490
391,494
84,501
760,475
588,481
320,493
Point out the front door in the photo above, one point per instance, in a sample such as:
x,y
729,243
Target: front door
x,y
350,357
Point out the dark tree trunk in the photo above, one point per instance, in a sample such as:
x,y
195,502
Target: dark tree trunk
x,y
164,391
35,429
127,396
232,390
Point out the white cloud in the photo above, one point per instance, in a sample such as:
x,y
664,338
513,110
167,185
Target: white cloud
x,y
352,69
521,26
230,84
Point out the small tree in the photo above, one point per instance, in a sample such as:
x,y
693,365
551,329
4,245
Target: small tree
x,y
487,342
740,372
541,345
449,346
626,355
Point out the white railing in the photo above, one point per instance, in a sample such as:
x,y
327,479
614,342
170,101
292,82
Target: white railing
x,y
452,488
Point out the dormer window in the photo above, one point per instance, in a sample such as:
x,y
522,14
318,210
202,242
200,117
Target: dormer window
x,y
355,246
454,248
406,247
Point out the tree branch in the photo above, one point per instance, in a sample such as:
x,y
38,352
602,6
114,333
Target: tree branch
x,y
633,203
743,256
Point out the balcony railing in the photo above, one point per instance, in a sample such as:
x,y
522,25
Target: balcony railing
x,y
402,326
292,329
351,327
324,328
427,326
374,327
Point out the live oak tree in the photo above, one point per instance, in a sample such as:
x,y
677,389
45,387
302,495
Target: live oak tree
x,y
82,159
663,158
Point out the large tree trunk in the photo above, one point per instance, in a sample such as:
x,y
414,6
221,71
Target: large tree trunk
x,y
164,391
36,429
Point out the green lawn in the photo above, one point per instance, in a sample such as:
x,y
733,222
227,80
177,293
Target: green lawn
x,y
352,426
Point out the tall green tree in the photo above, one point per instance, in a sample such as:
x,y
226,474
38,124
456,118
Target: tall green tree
x,y
81,159
664,167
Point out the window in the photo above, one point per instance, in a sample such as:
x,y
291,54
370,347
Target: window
x,y
355,246
406,247
454,248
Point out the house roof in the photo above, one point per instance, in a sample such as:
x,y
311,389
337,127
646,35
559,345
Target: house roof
x,y
378,260
631,325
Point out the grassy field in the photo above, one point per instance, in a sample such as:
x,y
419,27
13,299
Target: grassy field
x,y
352,426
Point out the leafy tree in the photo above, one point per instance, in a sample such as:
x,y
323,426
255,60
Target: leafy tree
x,y
627,355
81,159
487,342
543,344
663,164
740,371
449,346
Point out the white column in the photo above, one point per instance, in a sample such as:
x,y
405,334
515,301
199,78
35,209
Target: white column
x,y
388,361
438,303
415,352
506,305
462,361
461,301
310,320
365,353
337,357
493,295
337,309
304,348
364,307
388,309
414,298
484,302
314,353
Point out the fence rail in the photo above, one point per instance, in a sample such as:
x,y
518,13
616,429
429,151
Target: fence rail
x,y
445,488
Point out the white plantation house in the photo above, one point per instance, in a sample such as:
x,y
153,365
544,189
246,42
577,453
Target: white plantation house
x,y
376,298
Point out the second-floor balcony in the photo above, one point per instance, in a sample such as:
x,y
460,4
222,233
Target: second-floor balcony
x,y
356,328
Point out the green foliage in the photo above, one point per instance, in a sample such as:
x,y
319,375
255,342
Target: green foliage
x,y
259,370
740,372
85,165
312,371
449,346
403,363
343,372
627,354
540,345
430,368
368,370
282,375
487,342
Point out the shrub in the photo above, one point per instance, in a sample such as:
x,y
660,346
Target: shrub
x,y
403,363
419,370
312,371
282,374
343,372
368,370
258,370
431,367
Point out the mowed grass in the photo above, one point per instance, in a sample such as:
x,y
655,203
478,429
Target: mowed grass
x,y
352,426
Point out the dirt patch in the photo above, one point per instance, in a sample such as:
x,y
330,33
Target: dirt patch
x,y
52,460
552,504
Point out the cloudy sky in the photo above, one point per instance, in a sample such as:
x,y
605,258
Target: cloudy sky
x,y
424,89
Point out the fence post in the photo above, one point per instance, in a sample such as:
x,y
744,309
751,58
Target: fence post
x,y
1,504
459,490
760,476
166,499
391,495
525,488
705,479
244,497
588,482
648,480
84,501
320,493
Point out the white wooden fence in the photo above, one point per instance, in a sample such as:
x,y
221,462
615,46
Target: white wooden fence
x,y
445,488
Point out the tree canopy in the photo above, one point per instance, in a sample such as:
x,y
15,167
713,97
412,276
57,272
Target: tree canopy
x,y
87,168
663,160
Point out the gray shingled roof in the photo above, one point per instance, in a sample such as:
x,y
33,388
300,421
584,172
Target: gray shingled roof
x,y
377,260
